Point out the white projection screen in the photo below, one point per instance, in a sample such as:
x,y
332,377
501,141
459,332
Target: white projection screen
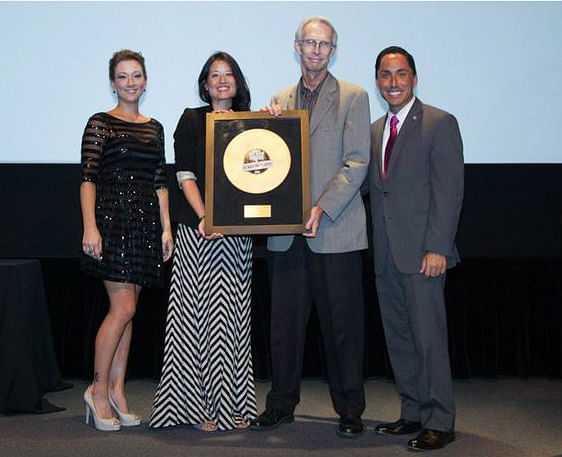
x,y
496,65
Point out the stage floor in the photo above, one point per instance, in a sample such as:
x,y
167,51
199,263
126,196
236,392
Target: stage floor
x,y
495,417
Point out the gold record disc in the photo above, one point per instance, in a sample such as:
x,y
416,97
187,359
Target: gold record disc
x,y
256,161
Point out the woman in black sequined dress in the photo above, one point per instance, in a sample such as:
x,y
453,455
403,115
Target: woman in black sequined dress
x,y
127,235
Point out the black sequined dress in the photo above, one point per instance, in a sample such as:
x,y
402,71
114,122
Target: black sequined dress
x,y
126,162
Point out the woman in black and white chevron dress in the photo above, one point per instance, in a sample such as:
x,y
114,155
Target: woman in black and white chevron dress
x,y
207,379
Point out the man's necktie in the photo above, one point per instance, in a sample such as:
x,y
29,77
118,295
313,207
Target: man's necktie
x,y
390,143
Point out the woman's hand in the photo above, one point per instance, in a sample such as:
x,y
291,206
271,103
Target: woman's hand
x,y
167,245
91,243
201,229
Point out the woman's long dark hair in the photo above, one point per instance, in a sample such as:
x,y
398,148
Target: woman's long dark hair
x,y
241,101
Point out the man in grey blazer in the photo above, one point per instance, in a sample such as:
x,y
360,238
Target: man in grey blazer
x,y
323,266
416,183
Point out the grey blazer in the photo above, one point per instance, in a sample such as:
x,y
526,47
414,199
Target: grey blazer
x,y
416,209
339,159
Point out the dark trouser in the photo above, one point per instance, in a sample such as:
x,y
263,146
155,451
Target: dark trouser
x,y
332,282
415,326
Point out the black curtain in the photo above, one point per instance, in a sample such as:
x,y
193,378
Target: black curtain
x,y
504,318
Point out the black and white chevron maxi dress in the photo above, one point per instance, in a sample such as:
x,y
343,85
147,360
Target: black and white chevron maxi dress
x,y
207,371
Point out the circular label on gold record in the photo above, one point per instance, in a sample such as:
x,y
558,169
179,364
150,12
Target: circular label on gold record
x,y
256,161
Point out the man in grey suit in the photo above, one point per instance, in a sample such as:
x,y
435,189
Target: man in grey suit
x,y
323,266
416,183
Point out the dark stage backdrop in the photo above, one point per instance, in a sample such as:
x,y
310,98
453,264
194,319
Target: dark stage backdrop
x,y
510,211
503,301
504,319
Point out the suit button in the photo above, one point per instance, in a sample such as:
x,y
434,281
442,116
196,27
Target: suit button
x,y
386,193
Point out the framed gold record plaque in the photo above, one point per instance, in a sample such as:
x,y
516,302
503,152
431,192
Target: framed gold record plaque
x,y
257,173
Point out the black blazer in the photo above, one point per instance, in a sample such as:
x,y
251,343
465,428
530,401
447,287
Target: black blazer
x,y
189,150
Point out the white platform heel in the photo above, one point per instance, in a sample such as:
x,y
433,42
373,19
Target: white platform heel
x,y
126,419
105,425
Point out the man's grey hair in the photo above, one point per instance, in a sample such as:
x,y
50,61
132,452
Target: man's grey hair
x,y
322,20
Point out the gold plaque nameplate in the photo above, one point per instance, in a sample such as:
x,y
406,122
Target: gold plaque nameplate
x,y
253,211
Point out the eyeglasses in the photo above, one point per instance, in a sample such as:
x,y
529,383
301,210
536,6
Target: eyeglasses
x,y
311,44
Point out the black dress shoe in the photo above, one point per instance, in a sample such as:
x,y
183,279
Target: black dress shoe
x,y
400,427
270,419
429,439
350,427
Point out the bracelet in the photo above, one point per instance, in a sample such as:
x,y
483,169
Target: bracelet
x,y
201,218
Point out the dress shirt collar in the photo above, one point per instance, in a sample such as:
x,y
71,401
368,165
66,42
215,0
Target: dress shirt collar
x,y
401,115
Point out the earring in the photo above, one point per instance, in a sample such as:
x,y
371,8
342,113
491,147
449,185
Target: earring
x,y
114,91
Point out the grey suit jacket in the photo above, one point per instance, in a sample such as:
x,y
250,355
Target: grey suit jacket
x,y
416,209
339,159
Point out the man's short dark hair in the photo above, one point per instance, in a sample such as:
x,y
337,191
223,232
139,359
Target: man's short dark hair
x,y
395,50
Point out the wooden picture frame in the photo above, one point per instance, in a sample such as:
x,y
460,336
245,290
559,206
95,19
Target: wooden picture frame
x,y
257,177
